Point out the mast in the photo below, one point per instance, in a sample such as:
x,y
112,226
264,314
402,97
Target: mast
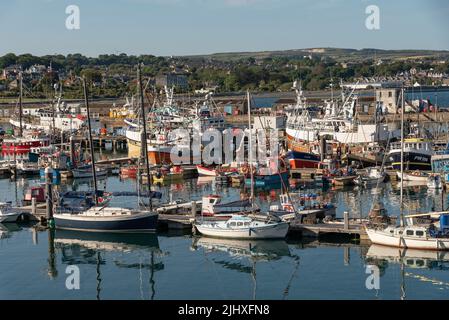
x,y
402,157
250,150
20,104
144,142
91,143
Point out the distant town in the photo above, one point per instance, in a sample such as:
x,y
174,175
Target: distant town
x,y
112,76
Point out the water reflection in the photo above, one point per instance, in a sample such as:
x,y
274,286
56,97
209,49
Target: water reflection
x,y
78,248
254,251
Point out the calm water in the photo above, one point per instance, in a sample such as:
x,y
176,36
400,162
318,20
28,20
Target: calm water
x,y
168,266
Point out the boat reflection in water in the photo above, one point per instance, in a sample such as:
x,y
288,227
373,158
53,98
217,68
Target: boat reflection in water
x,y
253,250
79,248
410,258
382,256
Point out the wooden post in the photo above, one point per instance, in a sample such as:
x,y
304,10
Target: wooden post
x,y
33,206
346,220
49,197
193,209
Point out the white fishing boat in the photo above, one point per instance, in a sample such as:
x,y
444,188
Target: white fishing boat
x,y
415,176
206,172
8,214
244,227
86,172
338,122
434,182
213,205
25,167
373,177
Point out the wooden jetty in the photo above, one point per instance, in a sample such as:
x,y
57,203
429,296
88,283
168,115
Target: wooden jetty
x,y
345,227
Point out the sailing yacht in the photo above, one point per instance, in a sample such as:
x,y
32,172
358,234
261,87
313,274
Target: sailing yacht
x,y
434,236
100,218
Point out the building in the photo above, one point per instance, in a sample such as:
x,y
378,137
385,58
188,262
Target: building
x,y
388,99
177,80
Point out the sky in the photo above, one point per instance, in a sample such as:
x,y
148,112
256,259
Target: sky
x,y
189,27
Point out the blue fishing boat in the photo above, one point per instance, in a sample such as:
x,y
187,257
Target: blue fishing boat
x,y
261,180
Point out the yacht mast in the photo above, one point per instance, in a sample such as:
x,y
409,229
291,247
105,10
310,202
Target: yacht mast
x,y
250,150
402,157
91,143
20,104
144,142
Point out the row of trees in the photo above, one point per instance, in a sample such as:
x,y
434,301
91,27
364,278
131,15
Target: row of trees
x,y
267,74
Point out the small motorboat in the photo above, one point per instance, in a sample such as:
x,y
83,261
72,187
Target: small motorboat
x,y
24,167
8,214
206,172
434,182
373,177
213,206
244,227
86,172
343,180
415,176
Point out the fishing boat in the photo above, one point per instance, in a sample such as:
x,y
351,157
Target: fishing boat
x,y
206,172
25,167
8,214
304,124
86,172
25,144
130,171
304,204
343,181
274,173
301,160
213,205
244,227
373,177
415,176
417,155
434,182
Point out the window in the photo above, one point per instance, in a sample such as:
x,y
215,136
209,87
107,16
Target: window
x,y
232,224
410,233
420,233
239,224
390,94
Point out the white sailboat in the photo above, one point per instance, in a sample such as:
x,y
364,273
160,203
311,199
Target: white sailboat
x,y
433,236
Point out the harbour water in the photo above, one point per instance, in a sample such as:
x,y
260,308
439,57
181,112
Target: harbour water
x,y
34,264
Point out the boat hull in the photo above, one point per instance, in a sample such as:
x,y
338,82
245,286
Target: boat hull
x,y
137,223
381,238
9,218
276,231
267,180
412,161
301,160
205,172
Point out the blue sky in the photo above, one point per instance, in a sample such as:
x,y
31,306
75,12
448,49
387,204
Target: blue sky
x,y
182,27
